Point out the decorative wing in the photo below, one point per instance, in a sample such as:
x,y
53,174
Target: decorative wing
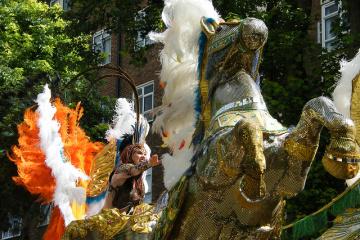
x,y
101,169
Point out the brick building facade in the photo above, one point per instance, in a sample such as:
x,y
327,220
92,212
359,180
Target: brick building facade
x,y
146,78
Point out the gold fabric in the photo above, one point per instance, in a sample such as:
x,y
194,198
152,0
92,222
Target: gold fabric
x,y
110,222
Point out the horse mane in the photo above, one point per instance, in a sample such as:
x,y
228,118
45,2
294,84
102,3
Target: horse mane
x,y
179,58
343,90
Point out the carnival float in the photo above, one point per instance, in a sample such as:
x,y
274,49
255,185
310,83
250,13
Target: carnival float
x,y
231,166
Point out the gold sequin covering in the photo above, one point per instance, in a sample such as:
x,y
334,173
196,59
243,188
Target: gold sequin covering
x,y
110,222
247,163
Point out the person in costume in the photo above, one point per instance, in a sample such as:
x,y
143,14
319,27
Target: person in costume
x,y
126,183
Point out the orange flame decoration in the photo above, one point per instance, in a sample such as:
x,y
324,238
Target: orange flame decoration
x,y
33,173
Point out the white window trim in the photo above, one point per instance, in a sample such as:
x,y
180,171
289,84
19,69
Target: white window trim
x,y
319,31
104,35
52,2
324,18
148,94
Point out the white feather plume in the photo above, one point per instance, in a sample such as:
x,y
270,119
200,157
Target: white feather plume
x,y
123,121
65,174
179,72
342,92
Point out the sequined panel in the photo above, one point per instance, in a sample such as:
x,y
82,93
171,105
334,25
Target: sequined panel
x,y
111,222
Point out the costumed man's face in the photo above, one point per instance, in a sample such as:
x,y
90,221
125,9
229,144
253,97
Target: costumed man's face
x,y
139,156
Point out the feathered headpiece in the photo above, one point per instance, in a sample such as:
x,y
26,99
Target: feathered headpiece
x,y
125,129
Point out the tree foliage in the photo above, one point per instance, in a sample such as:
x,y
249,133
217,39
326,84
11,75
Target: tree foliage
x,y
36,47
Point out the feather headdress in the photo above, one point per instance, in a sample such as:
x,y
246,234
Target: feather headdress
x,y
124,124
179,59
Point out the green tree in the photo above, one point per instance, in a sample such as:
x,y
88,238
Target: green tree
x,y
36,48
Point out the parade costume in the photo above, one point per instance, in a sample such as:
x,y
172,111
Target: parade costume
x,y
239,163
58,162
231,164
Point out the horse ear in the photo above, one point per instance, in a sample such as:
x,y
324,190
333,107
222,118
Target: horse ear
x,y
208,26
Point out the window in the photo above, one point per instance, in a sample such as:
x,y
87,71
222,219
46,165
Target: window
x,y
45,211
102,44
148,195
146,99
15,229
64,4
329,13
141,40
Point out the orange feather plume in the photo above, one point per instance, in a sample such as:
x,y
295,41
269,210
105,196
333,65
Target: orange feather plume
x,y
33,173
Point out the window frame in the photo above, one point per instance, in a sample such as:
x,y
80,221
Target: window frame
x,y
148,176
64,4
142,97
324,17
104,36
